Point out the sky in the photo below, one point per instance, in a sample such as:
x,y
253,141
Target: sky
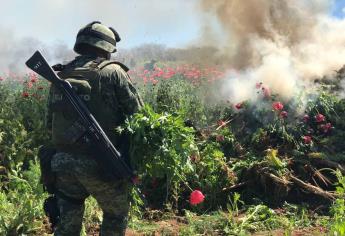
x,y
175,23
172,23
339,9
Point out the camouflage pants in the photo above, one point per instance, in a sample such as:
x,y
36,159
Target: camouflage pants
x,y
79,176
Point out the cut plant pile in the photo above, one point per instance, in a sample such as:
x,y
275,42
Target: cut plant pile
x,y
266,148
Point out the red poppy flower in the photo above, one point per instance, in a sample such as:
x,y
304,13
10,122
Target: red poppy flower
x,y
25,94
277,106
306,118
33,77
307,139
326,127
283,114
320,118
239,106
196,197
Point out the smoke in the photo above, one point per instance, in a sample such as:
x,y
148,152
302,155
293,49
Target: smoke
x,y
14,51
284,44
138,22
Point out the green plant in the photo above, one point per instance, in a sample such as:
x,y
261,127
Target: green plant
x,y
161,146
21,202
337,226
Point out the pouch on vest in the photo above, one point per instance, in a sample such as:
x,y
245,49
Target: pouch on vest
x,y
66,125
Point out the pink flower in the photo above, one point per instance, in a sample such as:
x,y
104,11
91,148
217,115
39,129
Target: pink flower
x,y
306,118
277,106
29,85
266,91
283,114
196,197
1,79
320,118
239,106
258,85
326,127
33,77
307,139
145,79
220,138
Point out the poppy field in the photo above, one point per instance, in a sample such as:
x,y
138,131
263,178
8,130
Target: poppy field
x,y
206,165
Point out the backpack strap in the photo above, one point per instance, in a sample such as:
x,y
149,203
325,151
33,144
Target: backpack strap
x,y
98,64
84,71
109,62
76,73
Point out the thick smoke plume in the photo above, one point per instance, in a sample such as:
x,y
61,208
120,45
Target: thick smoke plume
x,y
285,44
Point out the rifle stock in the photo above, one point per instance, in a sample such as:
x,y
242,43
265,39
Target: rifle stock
x,y
38,64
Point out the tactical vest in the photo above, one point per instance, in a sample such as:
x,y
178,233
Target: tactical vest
x,y
99,96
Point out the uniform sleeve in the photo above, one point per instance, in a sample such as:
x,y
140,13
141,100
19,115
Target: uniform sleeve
x,y
126,94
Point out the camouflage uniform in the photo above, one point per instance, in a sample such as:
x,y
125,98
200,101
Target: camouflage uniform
x,y
78,175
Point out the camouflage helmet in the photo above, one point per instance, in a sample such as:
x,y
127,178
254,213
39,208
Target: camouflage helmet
x,y
97,35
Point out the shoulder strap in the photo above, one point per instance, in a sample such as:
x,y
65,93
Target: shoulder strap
x,y
109,62
98,64
89,68
77,72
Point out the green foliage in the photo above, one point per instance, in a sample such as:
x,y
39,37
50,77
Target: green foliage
x,y
173,159
337,226
21,123
245,222
161,144
21,201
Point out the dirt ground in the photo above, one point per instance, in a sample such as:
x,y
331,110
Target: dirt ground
x,y
171,228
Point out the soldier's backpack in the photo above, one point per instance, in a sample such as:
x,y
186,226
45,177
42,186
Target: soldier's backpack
x,y
98,94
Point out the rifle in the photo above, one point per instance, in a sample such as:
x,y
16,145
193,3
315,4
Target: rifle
x,y
110,158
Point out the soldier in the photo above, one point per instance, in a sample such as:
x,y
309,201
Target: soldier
x,y
150,66
110,96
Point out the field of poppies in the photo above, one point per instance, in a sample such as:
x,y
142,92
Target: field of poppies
x,y
206,165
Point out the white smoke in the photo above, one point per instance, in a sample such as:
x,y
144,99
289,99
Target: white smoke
x,y
284,44
14,51
53,25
